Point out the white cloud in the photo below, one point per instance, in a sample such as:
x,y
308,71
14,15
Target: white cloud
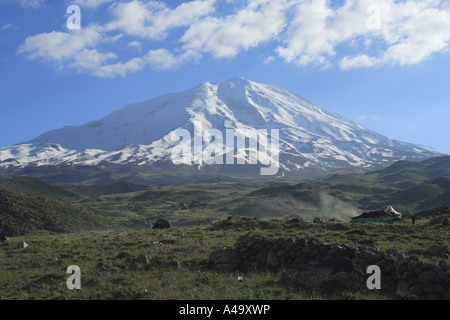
x,y
260,21
316,30
424,32
90,3
87,60
75,49
152,20
269,60
160,59
412,31
60,46
119,69
8,26
134,44
409,32
308,37
361,61
300,32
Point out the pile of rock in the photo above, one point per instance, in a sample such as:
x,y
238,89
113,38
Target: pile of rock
x,y
337,266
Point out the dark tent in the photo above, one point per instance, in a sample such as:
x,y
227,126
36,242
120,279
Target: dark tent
x,y
378,216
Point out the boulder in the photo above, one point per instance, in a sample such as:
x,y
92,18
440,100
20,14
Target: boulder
x,y
438,251
444,266
367,242
162,224
340,264
360,232
437,220
425,277
411,265
22,245
317,220
222,259
319,242
393,254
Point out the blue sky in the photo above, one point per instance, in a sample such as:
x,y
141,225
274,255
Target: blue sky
x,y
384,64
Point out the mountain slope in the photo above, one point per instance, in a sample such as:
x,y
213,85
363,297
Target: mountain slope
x,y
22,213
405,185
311,138
423,185
38,187
402,174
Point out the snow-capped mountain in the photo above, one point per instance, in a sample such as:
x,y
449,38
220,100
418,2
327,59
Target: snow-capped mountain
x,y
141,133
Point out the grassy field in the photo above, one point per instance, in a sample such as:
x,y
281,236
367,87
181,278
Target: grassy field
x,y
175,267
106,230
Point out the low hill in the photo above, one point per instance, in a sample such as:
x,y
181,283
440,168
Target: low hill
x,y
37,187
22,213
431,193
408,186
160,173
107,189
400,175
407,174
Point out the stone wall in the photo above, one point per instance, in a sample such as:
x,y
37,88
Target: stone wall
x,y
335,266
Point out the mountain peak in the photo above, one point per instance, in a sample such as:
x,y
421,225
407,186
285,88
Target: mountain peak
x,y
238,79
310,137
231,83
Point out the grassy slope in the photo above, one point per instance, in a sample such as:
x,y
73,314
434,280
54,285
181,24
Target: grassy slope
x,y
22,213
37,187
407,185
107,189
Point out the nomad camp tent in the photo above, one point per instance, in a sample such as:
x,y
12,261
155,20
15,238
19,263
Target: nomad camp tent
x,y
378,216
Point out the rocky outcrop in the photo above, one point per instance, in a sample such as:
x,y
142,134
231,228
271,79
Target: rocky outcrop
x,y
333,267
162,224
438,251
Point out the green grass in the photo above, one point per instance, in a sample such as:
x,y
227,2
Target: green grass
x,y
102,228
37,187
39,271
22,213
